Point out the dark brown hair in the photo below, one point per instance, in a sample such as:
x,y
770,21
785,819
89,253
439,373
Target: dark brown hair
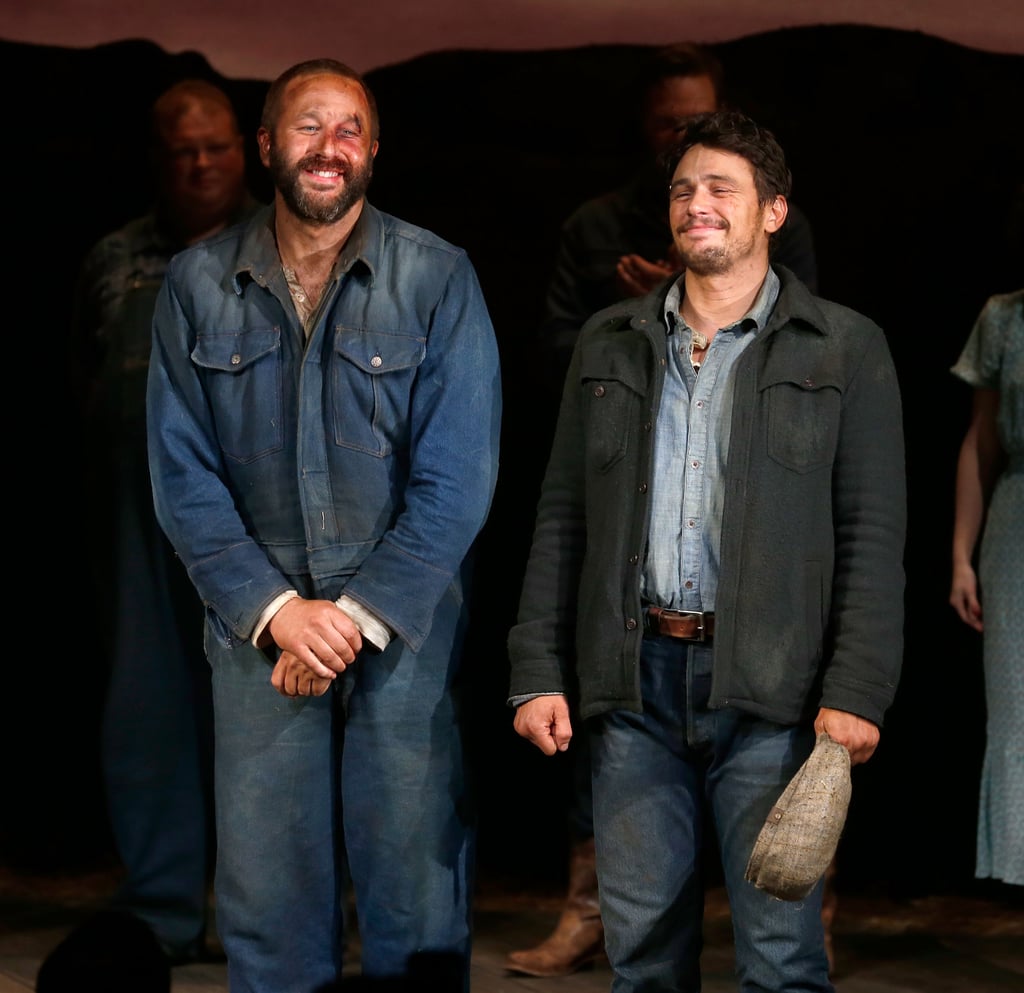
x,y
315,67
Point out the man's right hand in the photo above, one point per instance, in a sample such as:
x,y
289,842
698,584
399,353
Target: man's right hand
x,y
544,720
318,633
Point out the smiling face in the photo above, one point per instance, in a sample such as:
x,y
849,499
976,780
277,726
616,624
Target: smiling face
x,y
717,222
201,164
320,148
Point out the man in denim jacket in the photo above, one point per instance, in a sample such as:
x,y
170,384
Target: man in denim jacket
x,y
324,406
716,569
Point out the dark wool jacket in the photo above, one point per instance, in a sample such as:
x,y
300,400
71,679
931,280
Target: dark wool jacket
x,y
809,610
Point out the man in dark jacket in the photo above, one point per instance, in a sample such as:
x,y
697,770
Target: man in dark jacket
x,y
612,247
716,572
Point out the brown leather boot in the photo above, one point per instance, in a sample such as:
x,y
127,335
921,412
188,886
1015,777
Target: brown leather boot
x,y
578,937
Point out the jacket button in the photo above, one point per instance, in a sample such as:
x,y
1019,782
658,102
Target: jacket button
x,y
633,559
643,487
599,391
376,361
236,358
630,623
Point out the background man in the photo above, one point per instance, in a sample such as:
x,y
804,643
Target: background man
x,y
716,569
157,723
619,244
323,409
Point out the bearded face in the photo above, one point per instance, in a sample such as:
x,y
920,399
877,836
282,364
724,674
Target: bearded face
x,y
298,187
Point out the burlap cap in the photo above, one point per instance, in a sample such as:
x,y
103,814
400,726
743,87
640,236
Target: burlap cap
x,y
801,833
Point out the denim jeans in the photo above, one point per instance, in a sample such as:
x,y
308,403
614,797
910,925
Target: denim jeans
x,y
157,740
659,778
368,780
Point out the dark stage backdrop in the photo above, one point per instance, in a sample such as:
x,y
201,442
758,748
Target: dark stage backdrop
x,y
907,153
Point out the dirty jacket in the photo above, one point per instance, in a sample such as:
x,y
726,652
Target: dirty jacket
x,y
809,610
363,461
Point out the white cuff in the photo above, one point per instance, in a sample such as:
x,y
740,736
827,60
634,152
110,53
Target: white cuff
x,y
373,630
272,608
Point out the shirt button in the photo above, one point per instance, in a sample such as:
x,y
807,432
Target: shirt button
x,y
688,584
695,464
599,391
236,358
700,404
691,524
376,361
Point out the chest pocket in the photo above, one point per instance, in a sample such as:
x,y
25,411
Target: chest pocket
x,y
803,421
242,372
372,376
612,395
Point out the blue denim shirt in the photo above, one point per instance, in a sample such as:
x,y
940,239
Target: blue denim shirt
x,y
362,461
690,452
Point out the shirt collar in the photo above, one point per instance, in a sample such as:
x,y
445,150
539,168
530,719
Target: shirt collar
x,y
260,259
753,320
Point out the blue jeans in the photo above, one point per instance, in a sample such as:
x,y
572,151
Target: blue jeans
x,y
366,782
157,738
659,777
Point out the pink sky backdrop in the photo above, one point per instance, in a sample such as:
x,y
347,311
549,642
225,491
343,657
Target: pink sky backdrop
x,y
257,39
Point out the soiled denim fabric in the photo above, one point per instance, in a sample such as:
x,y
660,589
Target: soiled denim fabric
x,y
374,768
362,460
657,778
365,459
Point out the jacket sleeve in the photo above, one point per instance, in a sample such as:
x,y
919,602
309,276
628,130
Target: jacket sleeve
x,y
455,416
192,498
869,494
541,643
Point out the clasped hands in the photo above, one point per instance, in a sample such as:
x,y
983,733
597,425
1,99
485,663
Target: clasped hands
x,y
318,640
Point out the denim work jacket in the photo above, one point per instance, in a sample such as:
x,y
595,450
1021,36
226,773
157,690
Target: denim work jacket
x,y
363,461
809,609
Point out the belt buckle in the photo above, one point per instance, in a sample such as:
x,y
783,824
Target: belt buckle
x,y
699,614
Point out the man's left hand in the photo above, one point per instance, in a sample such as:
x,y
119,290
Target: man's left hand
x,y
859,735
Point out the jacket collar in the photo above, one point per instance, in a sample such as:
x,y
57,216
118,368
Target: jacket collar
x,y
795,304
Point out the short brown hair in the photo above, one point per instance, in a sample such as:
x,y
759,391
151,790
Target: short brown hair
x,y
315,67
181,97
732,131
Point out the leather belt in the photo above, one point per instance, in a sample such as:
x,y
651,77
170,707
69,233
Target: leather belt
x,y
687,625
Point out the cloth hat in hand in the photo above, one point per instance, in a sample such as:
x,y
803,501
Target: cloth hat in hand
x,y
801,834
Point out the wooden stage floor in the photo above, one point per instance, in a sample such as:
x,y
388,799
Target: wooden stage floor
x,y
963,944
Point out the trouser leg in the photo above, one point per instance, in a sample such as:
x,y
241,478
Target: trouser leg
x,y
156,730
409,813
